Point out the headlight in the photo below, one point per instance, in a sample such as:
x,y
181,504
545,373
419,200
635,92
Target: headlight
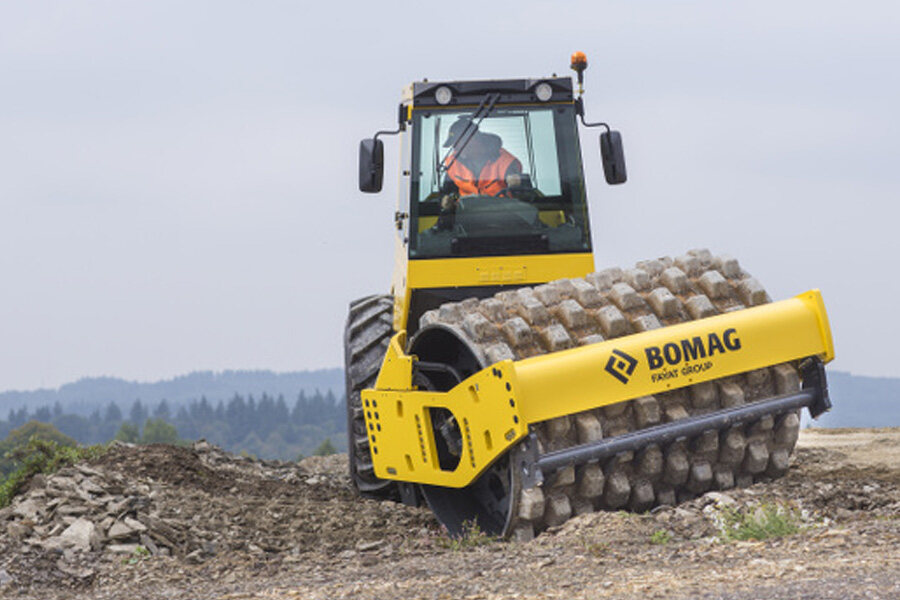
x,y
543,91
443,95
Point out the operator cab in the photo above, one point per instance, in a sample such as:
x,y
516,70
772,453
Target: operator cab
x,y
493,193
461,206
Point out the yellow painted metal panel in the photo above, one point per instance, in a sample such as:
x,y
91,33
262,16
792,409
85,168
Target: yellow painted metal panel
x,y
399,289
497,270
396,368
655,361
402,439
494,406
813,299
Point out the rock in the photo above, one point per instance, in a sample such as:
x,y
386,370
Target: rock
x,y
370,546
121,530
88,471
51,544
81,535
148,543
18,530
72,510
135,524
27,509
719,498
78,572
90,487
123,548
5,579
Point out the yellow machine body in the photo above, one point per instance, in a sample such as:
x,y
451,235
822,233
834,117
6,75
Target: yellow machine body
x,y
463,414
495,406
439,273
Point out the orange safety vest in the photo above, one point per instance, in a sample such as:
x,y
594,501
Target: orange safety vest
x,y
490,182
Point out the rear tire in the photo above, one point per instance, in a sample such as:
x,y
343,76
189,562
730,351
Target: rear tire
x,y
366,337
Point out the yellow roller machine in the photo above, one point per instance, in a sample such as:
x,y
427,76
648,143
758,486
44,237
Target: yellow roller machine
x,y
505,382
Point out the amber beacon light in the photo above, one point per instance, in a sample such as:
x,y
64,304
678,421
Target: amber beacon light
x,y
579,64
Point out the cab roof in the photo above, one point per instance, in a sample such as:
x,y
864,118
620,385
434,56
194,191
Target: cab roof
x,y
512,91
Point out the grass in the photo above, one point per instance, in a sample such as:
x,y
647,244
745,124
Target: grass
x,y
661,537
139,554
41,456
766,521
471,537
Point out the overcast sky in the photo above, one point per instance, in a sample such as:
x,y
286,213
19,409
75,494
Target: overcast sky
x,y
178,179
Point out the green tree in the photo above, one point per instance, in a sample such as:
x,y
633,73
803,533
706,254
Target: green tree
x,y
325,448
113,413
129,433
157,431
18,438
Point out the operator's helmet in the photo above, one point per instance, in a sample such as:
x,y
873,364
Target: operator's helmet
x,y
458,128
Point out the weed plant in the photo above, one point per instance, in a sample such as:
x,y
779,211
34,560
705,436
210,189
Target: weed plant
x,y
661,537
470,537
765,521
41,456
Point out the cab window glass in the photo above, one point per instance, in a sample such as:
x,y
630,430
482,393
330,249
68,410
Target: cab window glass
x,y
508,183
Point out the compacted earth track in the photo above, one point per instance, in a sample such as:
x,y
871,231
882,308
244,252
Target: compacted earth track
x,y
221,526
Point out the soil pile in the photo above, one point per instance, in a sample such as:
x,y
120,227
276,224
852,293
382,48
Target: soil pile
x,y
188,504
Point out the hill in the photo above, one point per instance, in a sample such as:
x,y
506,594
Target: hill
x,y
862,401
93,393
270,415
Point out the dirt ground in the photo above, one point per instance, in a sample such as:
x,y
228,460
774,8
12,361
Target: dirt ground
x,y
243,529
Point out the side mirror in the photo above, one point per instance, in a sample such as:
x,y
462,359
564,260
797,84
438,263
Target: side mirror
x,y
613,157
371,165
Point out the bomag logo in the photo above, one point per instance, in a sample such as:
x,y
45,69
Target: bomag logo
x,y
621,365
692,349
697,352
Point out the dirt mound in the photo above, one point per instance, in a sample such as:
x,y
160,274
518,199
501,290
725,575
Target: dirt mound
x,y
166,522
191,504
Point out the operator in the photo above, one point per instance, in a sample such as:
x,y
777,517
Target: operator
x,y
484,155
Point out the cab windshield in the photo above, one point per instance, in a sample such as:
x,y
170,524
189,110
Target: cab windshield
x,y
510,183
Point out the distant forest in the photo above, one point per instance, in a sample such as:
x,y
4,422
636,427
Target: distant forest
x,y
272,416
90,393
282,416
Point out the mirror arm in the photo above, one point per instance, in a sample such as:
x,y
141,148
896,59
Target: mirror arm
x,y
579,110
593,124
375,137
401,123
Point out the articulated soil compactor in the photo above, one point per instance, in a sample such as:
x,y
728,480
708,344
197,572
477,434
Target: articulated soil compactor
x,y
506,383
